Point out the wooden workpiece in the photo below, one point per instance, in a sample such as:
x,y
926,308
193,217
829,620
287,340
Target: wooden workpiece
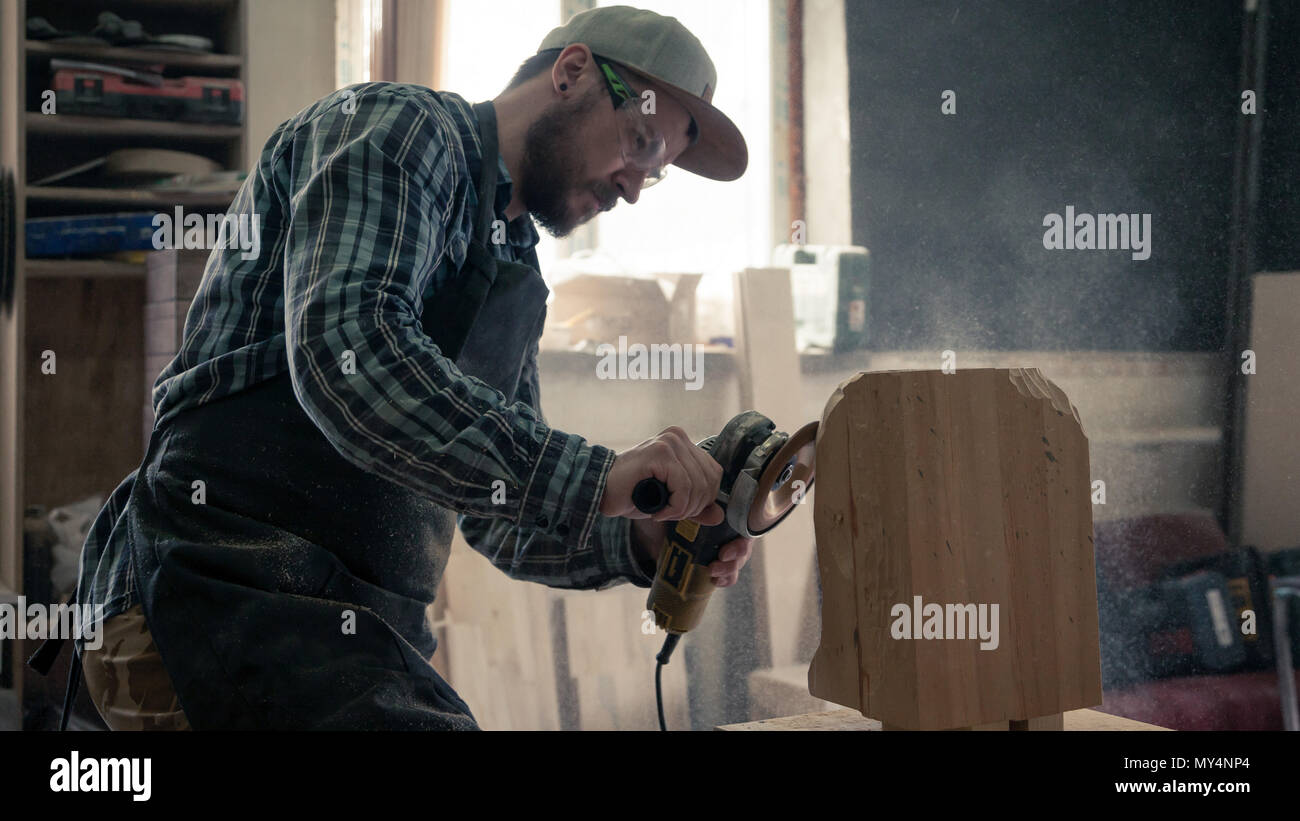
x,y
959,488
852,720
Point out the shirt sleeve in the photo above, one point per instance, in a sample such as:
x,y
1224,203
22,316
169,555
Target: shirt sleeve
x,y
372,195
609,558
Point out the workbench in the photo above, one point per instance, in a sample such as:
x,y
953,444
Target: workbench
x,y
846,719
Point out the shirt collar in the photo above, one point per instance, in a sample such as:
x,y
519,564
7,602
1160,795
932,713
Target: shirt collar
x,y
520,232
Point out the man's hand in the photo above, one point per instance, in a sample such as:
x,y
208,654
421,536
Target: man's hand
x,y
649,536
692,477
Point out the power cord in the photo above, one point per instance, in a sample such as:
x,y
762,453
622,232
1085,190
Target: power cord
x,y
659,696
660,660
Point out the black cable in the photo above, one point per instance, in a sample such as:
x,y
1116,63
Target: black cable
x,y
670,642
659,696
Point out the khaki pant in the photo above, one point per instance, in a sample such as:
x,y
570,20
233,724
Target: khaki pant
x,y
126,679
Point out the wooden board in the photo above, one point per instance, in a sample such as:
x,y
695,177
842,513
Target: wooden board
x,y
769,375
1271,450
963,488
611,663
852,720
524,656
13,352
782,691
495,643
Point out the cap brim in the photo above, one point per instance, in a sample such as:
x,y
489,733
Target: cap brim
x,y
720,152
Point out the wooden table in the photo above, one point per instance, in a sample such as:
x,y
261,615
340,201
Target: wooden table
x,y
846,719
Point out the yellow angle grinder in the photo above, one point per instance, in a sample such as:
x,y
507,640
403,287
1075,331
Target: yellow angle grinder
x,y
765,473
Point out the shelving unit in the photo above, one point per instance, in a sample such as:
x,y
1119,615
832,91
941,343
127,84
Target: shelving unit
x,y
77,432
210,64
99,198
80,128
83,268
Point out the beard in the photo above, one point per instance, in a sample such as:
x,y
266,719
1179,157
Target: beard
x,y
552,168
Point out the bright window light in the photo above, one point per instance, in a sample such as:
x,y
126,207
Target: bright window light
x,y
687,224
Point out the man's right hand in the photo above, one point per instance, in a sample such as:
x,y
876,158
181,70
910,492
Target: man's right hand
x,y
691,474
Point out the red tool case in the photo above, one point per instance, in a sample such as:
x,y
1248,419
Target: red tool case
x,y
187,99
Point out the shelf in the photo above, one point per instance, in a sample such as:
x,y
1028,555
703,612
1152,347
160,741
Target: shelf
x,y
97,268
74,125
126,197
176,59
128,8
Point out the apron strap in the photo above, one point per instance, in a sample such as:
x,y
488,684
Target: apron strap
x,y
487,119
450,320
487,186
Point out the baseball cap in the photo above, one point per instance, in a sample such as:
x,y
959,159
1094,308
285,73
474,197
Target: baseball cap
x,y
662,49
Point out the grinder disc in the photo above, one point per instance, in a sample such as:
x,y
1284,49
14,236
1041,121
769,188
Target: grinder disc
x,y
790,472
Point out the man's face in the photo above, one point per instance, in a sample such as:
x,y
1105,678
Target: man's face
x,y
573,162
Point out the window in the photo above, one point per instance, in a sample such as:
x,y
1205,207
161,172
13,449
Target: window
x,y
687,224
481,55
355,24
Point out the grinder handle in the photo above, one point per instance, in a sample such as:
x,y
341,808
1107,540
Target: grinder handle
x,y
650,495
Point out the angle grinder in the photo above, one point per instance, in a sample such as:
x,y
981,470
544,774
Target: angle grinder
x,y
765,473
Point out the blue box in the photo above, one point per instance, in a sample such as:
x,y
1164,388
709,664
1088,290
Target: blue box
x,y
93,234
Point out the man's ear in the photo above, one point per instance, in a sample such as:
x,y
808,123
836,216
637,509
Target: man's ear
x,y
575,62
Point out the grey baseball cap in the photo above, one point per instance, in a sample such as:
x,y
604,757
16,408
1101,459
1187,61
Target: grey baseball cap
x,y
662,49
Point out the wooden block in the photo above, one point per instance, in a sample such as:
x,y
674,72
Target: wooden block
x,y
826,721
1052,722
853,721
991,727
782,691
963,497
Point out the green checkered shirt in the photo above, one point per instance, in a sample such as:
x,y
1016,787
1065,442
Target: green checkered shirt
x,y
366,202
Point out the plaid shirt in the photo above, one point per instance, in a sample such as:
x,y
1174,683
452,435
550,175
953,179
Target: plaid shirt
x,y
366,202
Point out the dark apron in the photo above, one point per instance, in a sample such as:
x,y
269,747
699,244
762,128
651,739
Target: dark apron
x,y
296,596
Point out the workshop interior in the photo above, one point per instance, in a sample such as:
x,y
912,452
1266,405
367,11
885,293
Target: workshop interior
x,y
995,341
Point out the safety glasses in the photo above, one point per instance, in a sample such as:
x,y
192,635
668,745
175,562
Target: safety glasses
x,y
642,145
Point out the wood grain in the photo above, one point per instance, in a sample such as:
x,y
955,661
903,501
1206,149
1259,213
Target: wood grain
x,y
963,488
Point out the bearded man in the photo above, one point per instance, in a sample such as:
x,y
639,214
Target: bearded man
x,y
342,402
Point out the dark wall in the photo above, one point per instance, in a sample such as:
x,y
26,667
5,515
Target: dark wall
x,y
1109,106
1279,171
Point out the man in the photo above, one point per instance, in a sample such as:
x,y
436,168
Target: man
x,y
342,402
